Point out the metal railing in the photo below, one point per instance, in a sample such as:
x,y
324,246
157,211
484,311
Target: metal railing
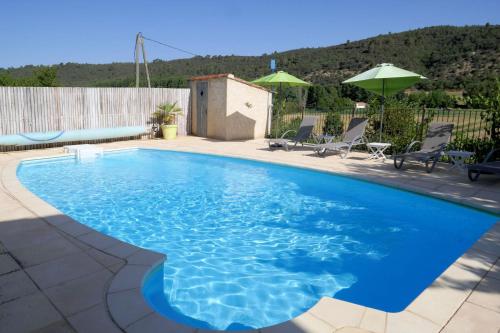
x,y
468,122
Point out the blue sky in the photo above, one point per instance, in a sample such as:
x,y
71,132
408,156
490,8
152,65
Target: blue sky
x,y
51,32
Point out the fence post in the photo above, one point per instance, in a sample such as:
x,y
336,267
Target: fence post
x,y
422,119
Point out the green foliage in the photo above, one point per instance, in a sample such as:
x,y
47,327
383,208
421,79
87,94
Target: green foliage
x,y
285,126
319,98
41,77
46,77
452,57
333,124
432,99
6,80
167,113
399,125
325,98
156,82
480,146
491,115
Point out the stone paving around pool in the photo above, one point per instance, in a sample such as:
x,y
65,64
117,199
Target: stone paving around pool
x,y
57,275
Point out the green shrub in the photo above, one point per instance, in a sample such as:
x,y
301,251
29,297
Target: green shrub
x,y
284,126
479,146
333,124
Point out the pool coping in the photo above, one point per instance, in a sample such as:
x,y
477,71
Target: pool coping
x,y
430,311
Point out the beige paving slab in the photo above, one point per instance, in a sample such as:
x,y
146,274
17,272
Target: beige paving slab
x,y
61,270
122,250
2,249
27,313
104,259
495,271
85,247
116,268
203,330
7,264
93,320
81,293
443,298
487,294
475,261
352,330
98,240
146,257
129,277
157,323
128,306
7,203
56,248
75,229
14,285
17,214
486,198
472,318
439,302
409,323
373,321
58,219
305,323
489,242
58,327
21,233
337,313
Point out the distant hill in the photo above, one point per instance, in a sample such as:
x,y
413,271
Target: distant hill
x,y
452,57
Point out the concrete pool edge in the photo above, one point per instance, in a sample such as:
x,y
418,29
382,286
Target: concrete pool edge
x,y
429,312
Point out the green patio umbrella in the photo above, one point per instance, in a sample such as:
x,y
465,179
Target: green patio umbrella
x,y
385,80
280,79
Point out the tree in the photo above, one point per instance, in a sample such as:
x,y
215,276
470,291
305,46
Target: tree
x,y
6,80
491,114
333,123
41,77
46,76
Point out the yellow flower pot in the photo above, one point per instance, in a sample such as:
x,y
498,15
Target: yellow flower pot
x,y
169,131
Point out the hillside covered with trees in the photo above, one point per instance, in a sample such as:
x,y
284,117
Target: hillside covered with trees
x,y
463,58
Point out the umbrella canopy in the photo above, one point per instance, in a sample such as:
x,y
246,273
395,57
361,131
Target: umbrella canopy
x,y
280,78
385,80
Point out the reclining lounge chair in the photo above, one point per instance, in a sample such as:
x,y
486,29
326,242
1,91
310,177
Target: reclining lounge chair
x,y
352,137
303,133
433,146
489,166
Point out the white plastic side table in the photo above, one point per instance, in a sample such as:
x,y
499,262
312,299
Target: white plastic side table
x,y
458,158
377,150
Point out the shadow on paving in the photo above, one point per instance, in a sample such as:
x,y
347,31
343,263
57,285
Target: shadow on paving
x,y
50,281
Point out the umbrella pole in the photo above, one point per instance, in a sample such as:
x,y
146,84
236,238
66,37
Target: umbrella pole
x,y
277,117
278,121
382,112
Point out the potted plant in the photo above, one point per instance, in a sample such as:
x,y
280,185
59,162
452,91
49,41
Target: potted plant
x,y
167,115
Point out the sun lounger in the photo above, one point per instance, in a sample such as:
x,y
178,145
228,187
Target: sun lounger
x,y
354,136
489,166
432,148
302,134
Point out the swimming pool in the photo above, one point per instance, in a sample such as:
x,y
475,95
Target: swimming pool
x,y
252,244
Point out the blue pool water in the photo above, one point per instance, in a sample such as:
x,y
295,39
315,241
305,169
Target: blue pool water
x,y
251,244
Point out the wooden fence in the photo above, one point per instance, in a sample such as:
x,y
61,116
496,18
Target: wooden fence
x,y
36,109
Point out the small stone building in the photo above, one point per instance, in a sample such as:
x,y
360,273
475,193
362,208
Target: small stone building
x,y
225,107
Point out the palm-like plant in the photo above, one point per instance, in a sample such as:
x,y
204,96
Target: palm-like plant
x,y
167,113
